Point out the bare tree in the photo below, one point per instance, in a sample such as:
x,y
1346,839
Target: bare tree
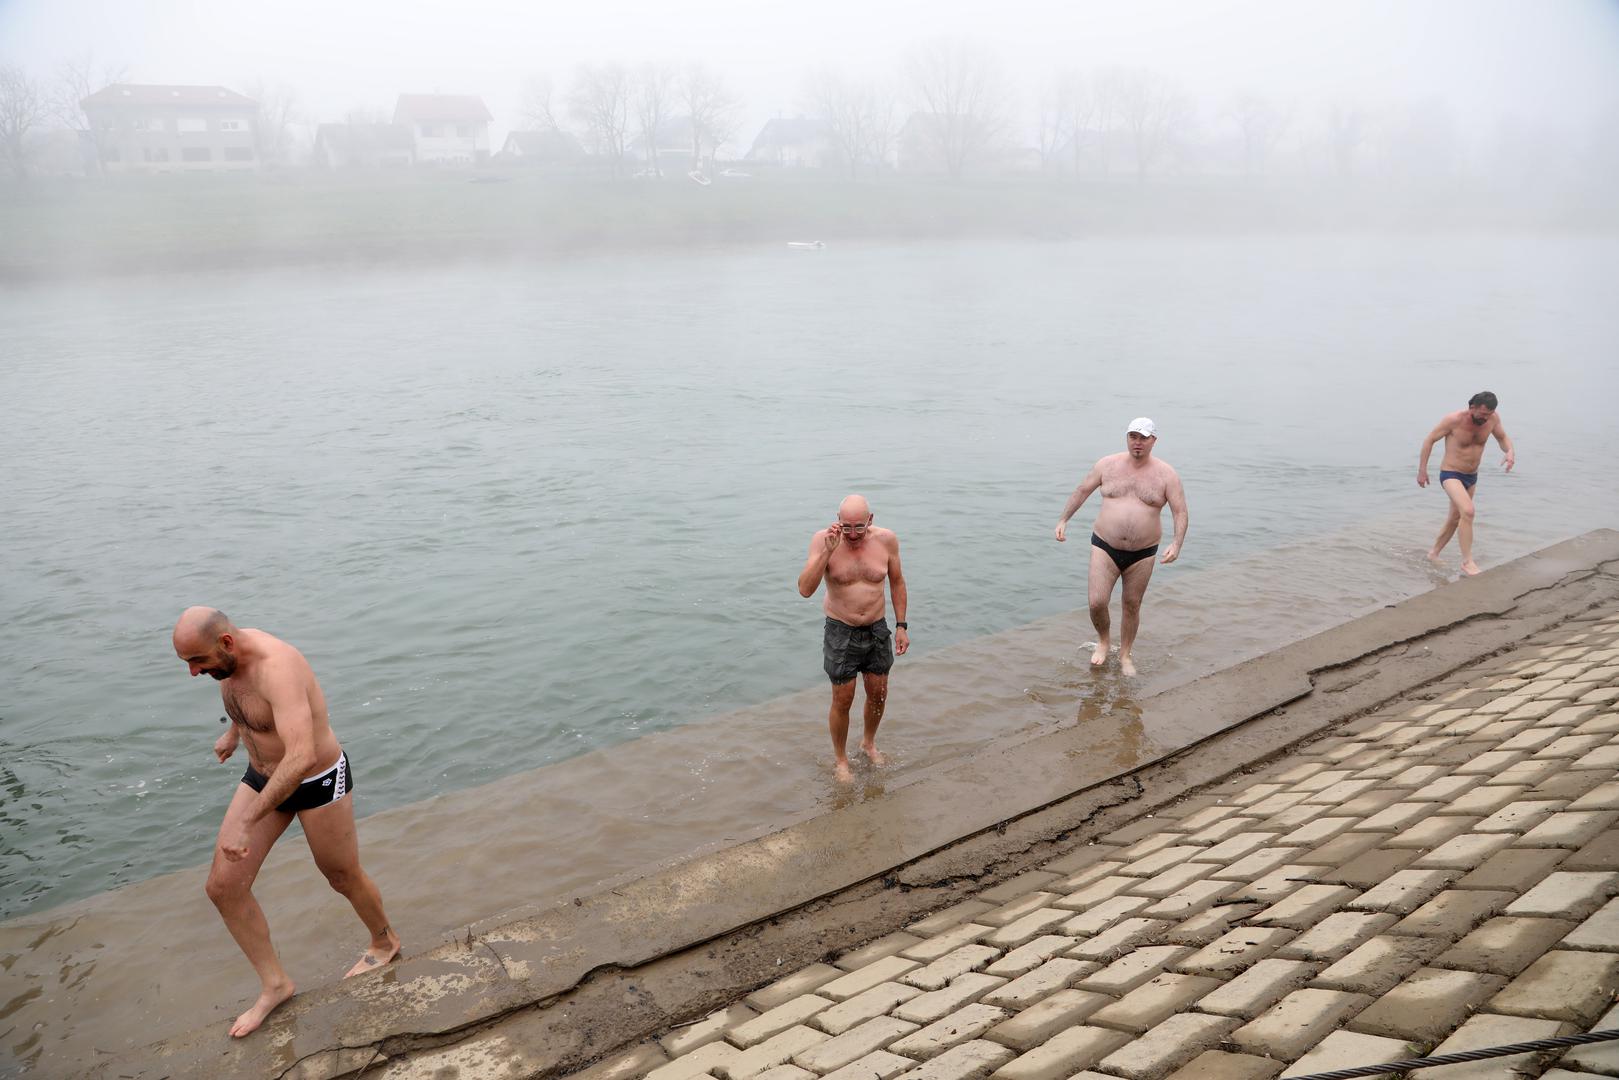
x,y
1151,108
272,126
713,108
654,94
1261,125
961,88
858,118
536,107
1346,132
23,108
76,80
1070,112
600,102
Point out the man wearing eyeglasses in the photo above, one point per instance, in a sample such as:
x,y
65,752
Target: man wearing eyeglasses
x,y
855,558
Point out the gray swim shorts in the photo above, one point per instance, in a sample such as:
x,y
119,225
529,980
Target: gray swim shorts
x,y
849,650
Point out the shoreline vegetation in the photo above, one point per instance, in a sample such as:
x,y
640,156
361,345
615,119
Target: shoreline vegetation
x,y
137,225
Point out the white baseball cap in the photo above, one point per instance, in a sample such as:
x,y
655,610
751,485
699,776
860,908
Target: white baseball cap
x,y
1142,426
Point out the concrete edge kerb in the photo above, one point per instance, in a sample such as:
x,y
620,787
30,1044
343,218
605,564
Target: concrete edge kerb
x,y
525,962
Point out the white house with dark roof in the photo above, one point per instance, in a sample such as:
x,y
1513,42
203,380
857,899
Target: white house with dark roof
x,y
139,128
794,143
448,129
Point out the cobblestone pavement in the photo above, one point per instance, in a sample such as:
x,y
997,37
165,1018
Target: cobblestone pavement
x,y
1440,875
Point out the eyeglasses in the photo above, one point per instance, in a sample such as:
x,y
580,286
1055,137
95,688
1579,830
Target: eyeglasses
x,y
844,526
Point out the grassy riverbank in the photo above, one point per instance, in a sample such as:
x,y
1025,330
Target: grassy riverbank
x,y
145,224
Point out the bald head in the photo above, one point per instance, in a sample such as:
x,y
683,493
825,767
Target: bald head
x,y
204,638
854,510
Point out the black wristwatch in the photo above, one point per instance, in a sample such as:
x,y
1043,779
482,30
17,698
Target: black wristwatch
x,y
902,626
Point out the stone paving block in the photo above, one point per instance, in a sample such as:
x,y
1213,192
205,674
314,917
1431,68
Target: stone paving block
x,y
887,945
857,1010
1153,1002
1289,820
1529,773
1428,1005
1219,1065
1039,1022
862,979
786,1072
1160,860
1014,910
1341,848
1569,829
1026,958
1171,881
1196,897
951,916
1131,971
1279,883
798,983
1033,925
1366,870
1049,977
1465,852
1520,816
1080,858
1341,792
1096,919
1062,1055
880,1065
1234,847
1562,985
1531,738
1222,831
1567,895
1253,793
1119,939
1235,951
1298,1022
1571,746
1027,882
710,1028
1396,816
1604,796
1275,804
1142,828
956,962
1316,832
1404,891
1602,1058
1298,773
1096,892
1486,799
702,1061
1535,709
1305,906
1349,1050
1444,789
788,1014
1336,935
1209,815
852,1045
1379,964
1432,831
1491,1029
1599,932
926,1008
1081,878
1170,1044
776,1050
931,948
1165,835
1505,945
1600,855
1453,913
1208,925
1257,865
630,1065
1514,869
960,1026
972,1060
1569,784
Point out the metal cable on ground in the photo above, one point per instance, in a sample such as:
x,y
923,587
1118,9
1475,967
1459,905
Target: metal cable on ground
x,y
1457,1058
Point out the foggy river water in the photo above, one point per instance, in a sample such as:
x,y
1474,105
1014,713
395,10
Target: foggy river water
x,y
515,513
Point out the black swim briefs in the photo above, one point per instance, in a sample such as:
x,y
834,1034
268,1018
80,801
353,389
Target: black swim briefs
x,y
1123,559
849,650
319,790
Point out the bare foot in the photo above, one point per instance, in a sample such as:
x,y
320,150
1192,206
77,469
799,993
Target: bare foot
x,y
1470,568
843,773
1433,557
874,755
1126,665
1099,655
249,1021
376,956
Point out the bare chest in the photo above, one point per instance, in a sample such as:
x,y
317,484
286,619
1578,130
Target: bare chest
x,y
1469,435
1146,487
249,710
869,565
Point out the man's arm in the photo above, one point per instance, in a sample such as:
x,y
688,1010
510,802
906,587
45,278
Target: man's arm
x,y
896,587
822,545
1092,481
1505,440
1177,506
1439,432
295,725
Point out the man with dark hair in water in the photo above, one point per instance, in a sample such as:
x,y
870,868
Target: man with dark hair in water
x,y
1135,488
295,768
1464,434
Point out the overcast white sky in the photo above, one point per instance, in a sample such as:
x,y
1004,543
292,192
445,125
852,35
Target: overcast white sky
x,y
1554,59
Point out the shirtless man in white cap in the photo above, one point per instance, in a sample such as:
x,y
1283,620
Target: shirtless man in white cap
x,y
1135,486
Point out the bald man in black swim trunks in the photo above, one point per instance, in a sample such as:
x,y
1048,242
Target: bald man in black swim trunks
x,y
1135,486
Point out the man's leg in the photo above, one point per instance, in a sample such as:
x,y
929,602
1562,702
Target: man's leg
x,y
336,847
838,720
230,887
1461,505
1103,576
876,698
1136,577
1452,519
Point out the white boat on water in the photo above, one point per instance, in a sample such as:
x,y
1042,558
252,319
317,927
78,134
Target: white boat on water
x,y
806,245
697,176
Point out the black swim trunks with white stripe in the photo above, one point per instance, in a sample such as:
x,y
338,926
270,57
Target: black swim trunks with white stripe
x,y
323,788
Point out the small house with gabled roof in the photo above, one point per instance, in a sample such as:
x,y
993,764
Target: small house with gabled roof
x,y
447,129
